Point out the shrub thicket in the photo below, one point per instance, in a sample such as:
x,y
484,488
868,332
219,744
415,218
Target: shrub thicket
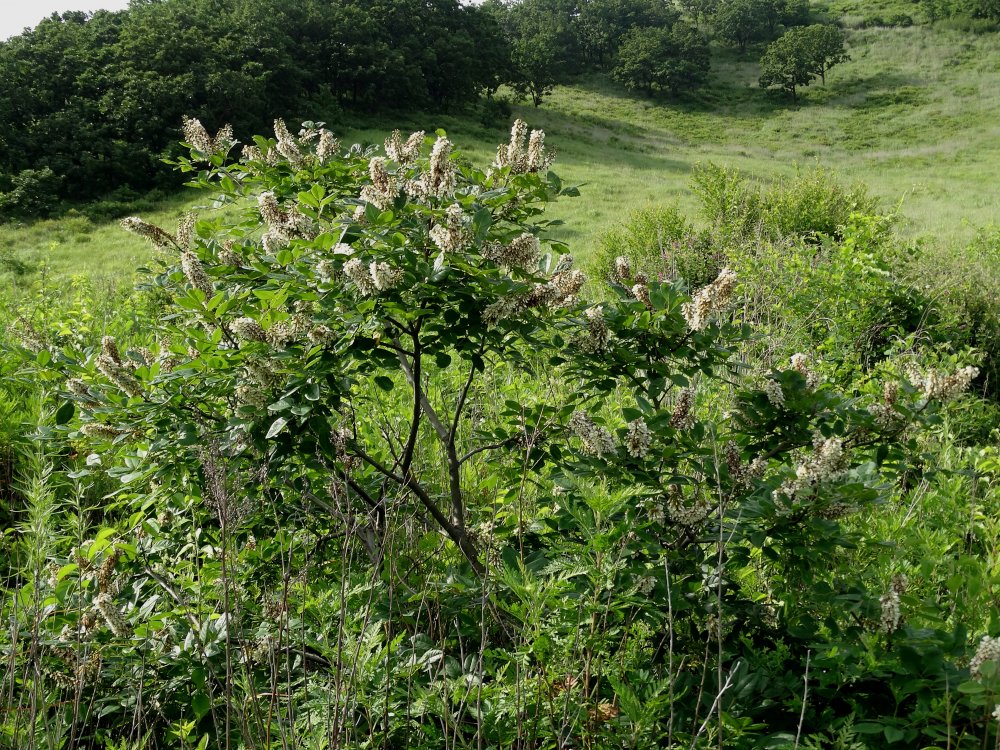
x,y
385,478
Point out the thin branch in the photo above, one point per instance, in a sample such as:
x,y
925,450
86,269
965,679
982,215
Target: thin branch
x,y
805,695
482,448
432,415
465,392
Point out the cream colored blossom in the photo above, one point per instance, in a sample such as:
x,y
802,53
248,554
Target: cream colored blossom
x,y
987,651
195,273
154,234
522,252
890,612
452,236
597,441
638,439
598,336
403,152
801,364
248,329
682,417
327,147
709,301
939,386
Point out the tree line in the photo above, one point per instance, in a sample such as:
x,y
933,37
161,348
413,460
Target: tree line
x,y
90,103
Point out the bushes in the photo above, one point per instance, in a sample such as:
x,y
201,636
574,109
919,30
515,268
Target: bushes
x,y
32,193
377,457
811,203
661,243
966,290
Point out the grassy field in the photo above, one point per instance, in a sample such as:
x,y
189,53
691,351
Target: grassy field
x,y
912,115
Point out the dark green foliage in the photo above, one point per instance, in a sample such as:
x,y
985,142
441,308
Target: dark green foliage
x,y
800,55
744,22
603,24
663,59
97,99
984,9
367,448
30,193
787,63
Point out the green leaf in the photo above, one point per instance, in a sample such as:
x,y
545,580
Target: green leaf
x,y
65,412
892,734
276,426
384,382
971,687
442,359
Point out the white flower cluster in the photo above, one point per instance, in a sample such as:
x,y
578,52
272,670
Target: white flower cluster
x,y
109,363
373,278
228,255
889,618
112,616
321,335
709,300
282,225
523,153
645,585
522,252
682,417
439,180
383,189
801,364
194,272
936,385
598,335
621,270
597,441
196,135
185,231
248,329
452,236
287,146
287,331
404,153
327,146
826,463
640,290
154,234
638,439
988,650
559,291
772,389
885,413
688,515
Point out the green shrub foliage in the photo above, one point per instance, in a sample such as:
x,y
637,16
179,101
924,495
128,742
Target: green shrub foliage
x,y
386,479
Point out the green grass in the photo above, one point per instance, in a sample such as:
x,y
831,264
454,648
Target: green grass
x,y
912,115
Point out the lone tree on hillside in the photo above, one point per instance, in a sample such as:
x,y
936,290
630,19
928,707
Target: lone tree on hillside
x,y
828,47
672,59
799,55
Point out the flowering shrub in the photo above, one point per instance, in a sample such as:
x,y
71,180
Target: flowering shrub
x,y
387,479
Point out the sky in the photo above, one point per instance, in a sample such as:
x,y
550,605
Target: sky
x,y
15,15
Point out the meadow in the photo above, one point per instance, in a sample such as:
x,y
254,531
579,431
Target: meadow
x,y
912,116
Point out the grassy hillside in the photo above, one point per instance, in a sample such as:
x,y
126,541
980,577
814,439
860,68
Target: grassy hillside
x,y
912,115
